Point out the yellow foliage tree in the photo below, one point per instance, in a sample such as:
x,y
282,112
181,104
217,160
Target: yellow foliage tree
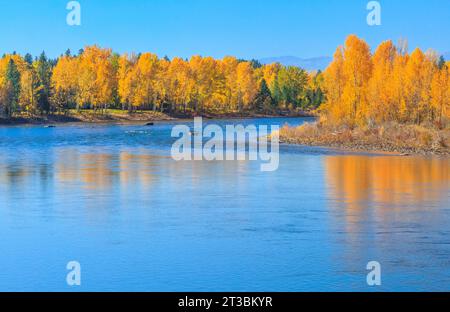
x,y
334,82
96,78
10,94
144,81
397,83
381,91
440,93
29,90
391,85
229,67
65,82
418,75
125,79
246,85
180,84
357,70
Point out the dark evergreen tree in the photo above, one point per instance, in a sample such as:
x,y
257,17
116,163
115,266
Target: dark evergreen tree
x,y
264,100
28,58
276,93
256,64
44,73
13,88
441,62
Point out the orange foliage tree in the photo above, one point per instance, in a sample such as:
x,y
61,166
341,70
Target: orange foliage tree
x,y
390,85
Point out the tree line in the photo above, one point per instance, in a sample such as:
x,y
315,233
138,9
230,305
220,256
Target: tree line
x,y
358,88
98,79
389,85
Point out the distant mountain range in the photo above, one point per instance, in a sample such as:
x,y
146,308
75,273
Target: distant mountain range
x,y
310,64
315,63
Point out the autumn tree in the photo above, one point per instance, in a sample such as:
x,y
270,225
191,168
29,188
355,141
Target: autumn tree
x,y
144,81
30,90
180,84
391,85
381,93
419,73
397,81
440,93
208,90
229,67
96,78
357,69
246,85
162,86
125,80
334,82
64,83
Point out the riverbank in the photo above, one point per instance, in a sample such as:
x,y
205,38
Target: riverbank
x,y
120,116
88,116
392,138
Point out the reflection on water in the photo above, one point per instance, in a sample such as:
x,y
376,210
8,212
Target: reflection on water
x,y
139,221
104,171
393,182
394,210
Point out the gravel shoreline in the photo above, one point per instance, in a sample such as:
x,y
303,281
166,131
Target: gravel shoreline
x,y
402,140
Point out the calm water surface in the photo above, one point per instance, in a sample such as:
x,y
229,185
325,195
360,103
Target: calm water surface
x,y
111,197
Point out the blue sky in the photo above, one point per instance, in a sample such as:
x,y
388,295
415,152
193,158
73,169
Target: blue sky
x,y
244,28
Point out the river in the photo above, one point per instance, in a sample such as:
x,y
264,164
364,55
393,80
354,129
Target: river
x,y
111,198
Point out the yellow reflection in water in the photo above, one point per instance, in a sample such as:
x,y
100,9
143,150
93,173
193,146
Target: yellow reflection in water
x,y
103,171
138,168
358,181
